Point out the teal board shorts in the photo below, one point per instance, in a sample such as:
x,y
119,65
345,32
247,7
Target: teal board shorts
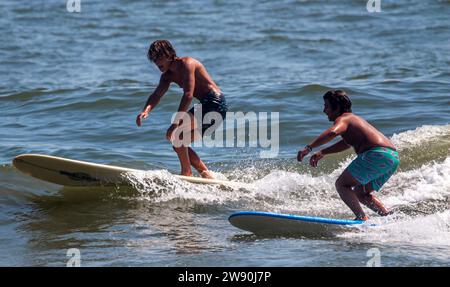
x,y
375,165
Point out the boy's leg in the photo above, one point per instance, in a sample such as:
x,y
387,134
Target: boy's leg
x,y
195,160
344,185
183,156
371,171
181,146
364,195
198,164
187,155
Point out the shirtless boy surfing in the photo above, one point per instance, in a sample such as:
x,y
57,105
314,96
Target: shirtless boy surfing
x,y
190,75
377,157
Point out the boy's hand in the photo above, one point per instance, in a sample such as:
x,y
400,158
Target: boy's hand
x,y
142,116
314,160
170,131
301,154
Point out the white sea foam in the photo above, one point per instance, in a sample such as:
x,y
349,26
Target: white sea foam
x,y
429,182
291,192
162,186
426,230
420,136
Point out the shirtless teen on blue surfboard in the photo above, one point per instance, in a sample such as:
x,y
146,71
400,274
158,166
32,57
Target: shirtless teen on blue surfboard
x,y
190,75
377,157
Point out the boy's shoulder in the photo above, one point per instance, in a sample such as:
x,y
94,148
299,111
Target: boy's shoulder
x,y
189,61
347,119
350,116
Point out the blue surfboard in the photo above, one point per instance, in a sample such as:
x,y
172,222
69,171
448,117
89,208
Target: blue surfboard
x,y
268,223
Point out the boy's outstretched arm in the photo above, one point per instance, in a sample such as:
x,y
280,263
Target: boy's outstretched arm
x,y
153,99
339,127
335,148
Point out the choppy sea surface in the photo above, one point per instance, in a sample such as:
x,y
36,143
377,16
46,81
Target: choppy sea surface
x,y
72,84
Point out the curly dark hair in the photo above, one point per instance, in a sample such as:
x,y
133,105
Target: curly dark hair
x,y
160,48
339,99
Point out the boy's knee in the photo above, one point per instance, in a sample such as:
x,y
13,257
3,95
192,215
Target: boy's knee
x,y
339,183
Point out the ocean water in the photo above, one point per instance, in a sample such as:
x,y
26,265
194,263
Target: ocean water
x,y
72,84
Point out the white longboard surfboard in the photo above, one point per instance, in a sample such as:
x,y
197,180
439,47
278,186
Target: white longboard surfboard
x,y
69,172
269,223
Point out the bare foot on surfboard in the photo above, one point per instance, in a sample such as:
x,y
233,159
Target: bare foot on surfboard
x,y
364,218
206,174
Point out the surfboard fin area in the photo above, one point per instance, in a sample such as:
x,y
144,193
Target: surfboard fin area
x,y
277,224
69,172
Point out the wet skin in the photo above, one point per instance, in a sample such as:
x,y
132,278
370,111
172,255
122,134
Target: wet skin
x,y
360,135
190,75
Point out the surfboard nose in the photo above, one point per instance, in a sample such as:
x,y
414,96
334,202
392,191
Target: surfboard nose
x,y
18,160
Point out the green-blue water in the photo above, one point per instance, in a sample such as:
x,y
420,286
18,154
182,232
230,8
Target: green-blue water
x,y
72,84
